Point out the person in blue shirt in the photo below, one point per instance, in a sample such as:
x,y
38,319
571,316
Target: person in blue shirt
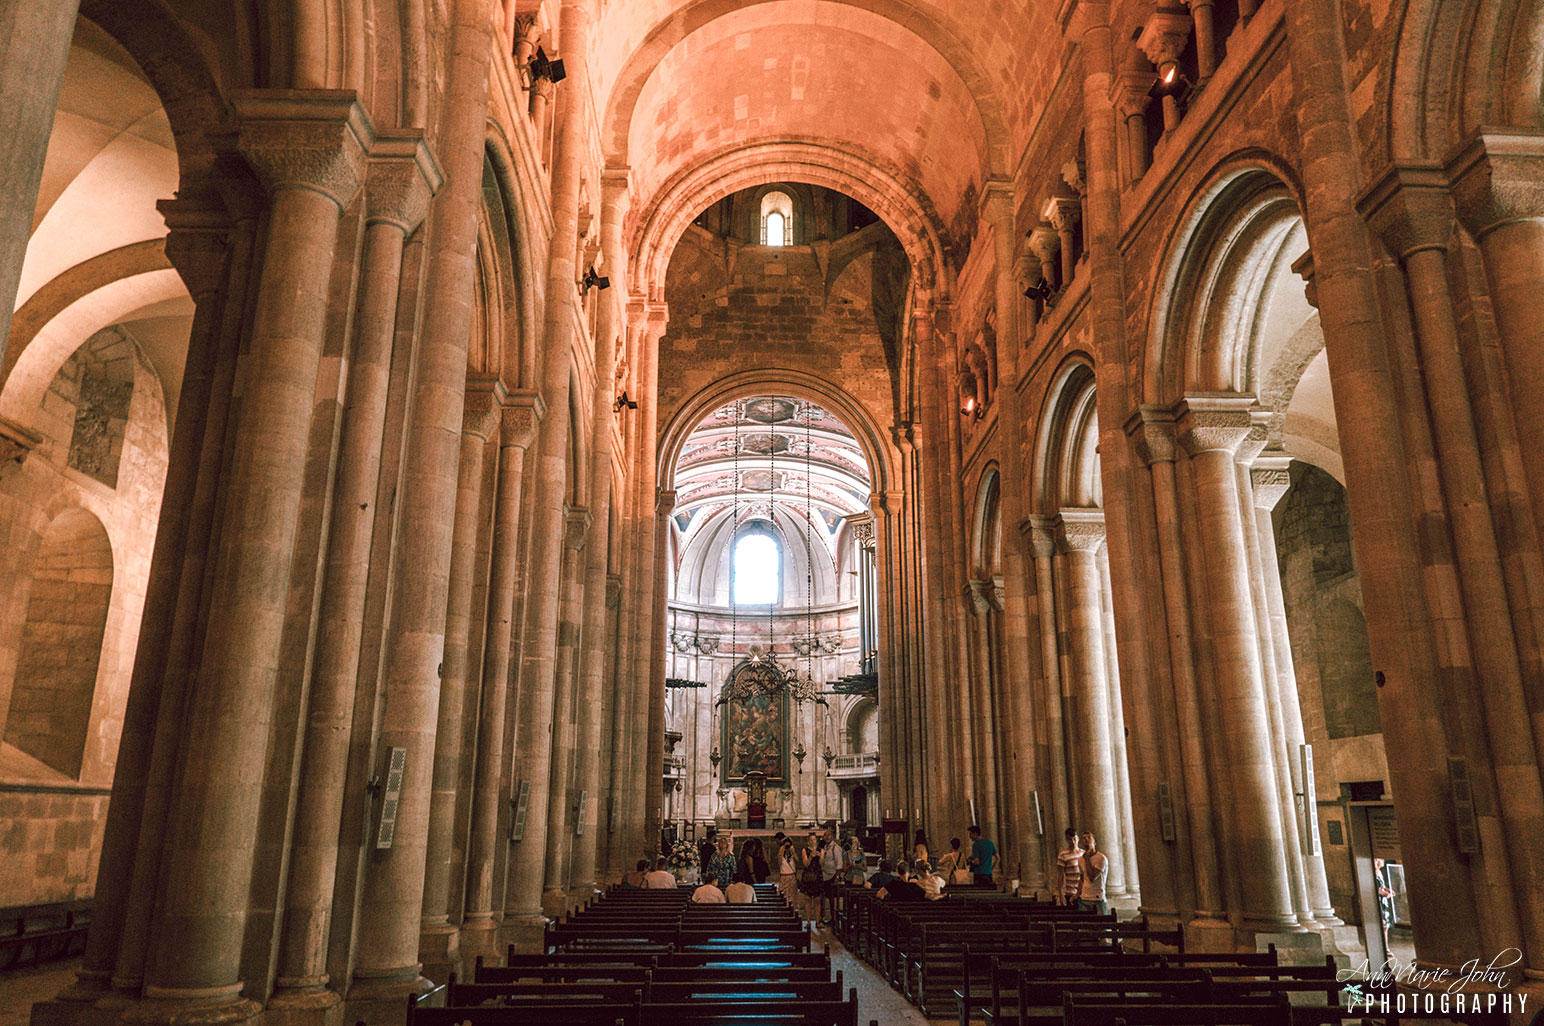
x,y
983,854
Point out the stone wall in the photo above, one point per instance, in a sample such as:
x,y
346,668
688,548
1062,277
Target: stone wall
x,y
48,844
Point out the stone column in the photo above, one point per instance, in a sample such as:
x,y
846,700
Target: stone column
x,y
1133,92
309,148
1211,431
386,965
1412,211
654,681
985,724
1270,480
213,255
517,430
1378,487
594,701
34,49
560,803
1058,808
538,675
1194,807
1123,869
437,947
1292,850
1081,537
399,180
1063,213
1206,40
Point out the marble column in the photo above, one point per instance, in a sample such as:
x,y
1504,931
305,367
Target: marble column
x,y
399,180
309,148
34,49
1081,535
386,963
439,933
594,700
1210,432
560,802
518,421
539,651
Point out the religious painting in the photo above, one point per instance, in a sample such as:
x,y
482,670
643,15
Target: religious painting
x,y
756,738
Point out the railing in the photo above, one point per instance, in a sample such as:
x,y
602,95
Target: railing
x,y
863,764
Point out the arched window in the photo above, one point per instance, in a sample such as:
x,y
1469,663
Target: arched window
x,y
757,570
776,219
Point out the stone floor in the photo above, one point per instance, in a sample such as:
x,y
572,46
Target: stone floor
x,y
20,989
876,998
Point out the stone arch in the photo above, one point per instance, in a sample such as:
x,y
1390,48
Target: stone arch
x,y
986,536
877,451
518,289
903,208
60,648
861,719
1065,472
1458,65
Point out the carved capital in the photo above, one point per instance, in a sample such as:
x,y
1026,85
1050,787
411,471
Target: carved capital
x,y
1046,243
1153,430
977,591
1072,173
1303,268
16,443
998,595
400,177
1081,530
664,502
1270,479
1165,35
1409,207
1255,441
523,413
313,139
1498,178
196,240
1214,424
613,591
481,413
576,527
1042,535
1063,213
1132,91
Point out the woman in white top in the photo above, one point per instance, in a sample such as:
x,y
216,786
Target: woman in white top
x,y
787,872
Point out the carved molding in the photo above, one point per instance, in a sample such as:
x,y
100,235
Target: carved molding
x,y
1270,479
1214,424
613,591
1410,207
523,413
1153,430
1165,35
481,414
664,502
1498,178
576,527
1081,530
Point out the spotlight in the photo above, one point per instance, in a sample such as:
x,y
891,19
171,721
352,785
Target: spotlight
x,y
1171,83
593,280
623,402
969,409
1040,290
544,67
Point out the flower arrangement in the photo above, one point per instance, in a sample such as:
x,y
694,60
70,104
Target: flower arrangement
x,y
681,854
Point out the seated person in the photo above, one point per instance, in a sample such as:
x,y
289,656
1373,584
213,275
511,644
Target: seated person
x,y
661,878
709,894
931,883
880,876
902,888
636,878
739,893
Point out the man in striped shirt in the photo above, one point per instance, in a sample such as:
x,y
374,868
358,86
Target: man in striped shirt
x,y
1069,865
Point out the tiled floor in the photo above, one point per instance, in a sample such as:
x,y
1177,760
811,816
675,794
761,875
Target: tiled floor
x,y
876,998
20,989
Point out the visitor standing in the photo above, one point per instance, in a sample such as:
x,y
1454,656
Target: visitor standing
x,y
722,868
1096,866
983,857
857,861
952,866
1069,867
830,871
787,872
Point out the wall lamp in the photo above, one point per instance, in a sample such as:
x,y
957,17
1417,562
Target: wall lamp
x,y
970,408
1040,290
593,280
543,66
624,403
1171,82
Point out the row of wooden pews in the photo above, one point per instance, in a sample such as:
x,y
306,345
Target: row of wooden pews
x,y
653,958
1007,961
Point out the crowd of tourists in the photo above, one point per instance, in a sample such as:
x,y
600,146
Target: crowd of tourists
x,y
807,874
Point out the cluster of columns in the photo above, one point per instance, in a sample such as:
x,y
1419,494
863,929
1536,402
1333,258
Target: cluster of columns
x,y
382,645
